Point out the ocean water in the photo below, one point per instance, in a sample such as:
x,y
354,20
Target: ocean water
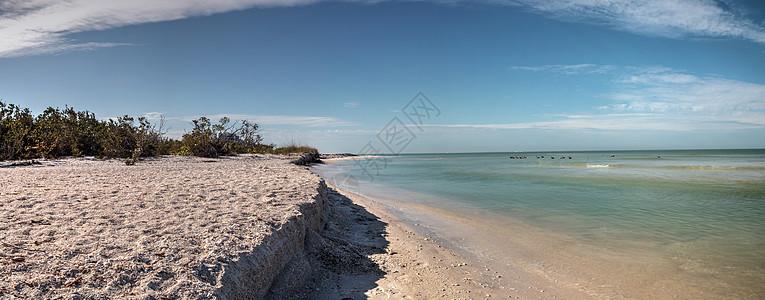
x,y
700,206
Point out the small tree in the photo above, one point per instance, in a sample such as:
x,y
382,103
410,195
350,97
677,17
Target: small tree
x,y
119,138
212,140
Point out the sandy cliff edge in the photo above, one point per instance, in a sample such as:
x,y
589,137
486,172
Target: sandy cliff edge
x,y
166,227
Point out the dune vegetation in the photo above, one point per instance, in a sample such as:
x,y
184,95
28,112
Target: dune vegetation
x,y
67,132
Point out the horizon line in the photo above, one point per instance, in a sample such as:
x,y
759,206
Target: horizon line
x,y
550,151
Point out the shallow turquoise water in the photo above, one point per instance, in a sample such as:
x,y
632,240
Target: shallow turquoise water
x,y
697,205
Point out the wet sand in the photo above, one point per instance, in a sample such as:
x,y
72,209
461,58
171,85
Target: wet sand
x,y
415,263
434,254
480,254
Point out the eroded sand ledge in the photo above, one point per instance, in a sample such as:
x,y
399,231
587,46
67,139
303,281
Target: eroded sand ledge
x,y
168,227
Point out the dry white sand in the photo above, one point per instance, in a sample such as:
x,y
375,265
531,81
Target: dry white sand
x,y
168,227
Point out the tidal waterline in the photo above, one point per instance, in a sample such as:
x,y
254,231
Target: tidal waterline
x,y
704,210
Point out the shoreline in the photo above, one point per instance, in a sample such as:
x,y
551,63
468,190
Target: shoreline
x,y
420,264
539,260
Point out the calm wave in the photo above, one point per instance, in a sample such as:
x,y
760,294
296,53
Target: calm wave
x,y
701,206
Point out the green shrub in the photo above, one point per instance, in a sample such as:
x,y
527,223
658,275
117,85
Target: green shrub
x,y
16,127
212,140
68,132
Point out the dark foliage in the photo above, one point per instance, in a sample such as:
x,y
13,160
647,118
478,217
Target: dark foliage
x,y
68,132
16,127
213,140
289,149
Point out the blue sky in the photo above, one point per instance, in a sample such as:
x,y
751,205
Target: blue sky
x,y
505,75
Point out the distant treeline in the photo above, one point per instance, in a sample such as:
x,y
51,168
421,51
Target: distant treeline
x,y
67,132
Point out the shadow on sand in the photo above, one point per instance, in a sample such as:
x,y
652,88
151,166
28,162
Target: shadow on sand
x,y
341,257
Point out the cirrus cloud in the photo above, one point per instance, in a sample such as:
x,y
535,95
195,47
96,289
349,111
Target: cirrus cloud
x,y
42,26
674,19
305,121
656,98
34,27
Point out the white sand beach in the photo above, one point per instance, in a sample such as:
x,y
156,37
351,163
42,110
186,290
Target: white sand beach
x,y
256,227
166,227
245,227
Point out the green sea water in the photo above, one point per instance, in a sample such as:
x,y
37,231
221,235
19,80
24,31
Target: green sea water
x,y
705,206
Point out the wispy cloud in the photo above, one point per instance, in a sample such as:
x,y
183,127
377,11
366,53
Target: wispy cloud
x,y
305,121
351,104
675,19
619,122
43,26
699,98
567,69
154,116
658,98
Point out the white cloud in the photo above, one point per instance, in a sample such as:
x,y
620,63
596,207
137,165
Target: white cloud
x,y
676,18
658,98
684,95
154,116
596,122
567,69
305,121
618,122
352,104
42,26
56,48
175,134
31,27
